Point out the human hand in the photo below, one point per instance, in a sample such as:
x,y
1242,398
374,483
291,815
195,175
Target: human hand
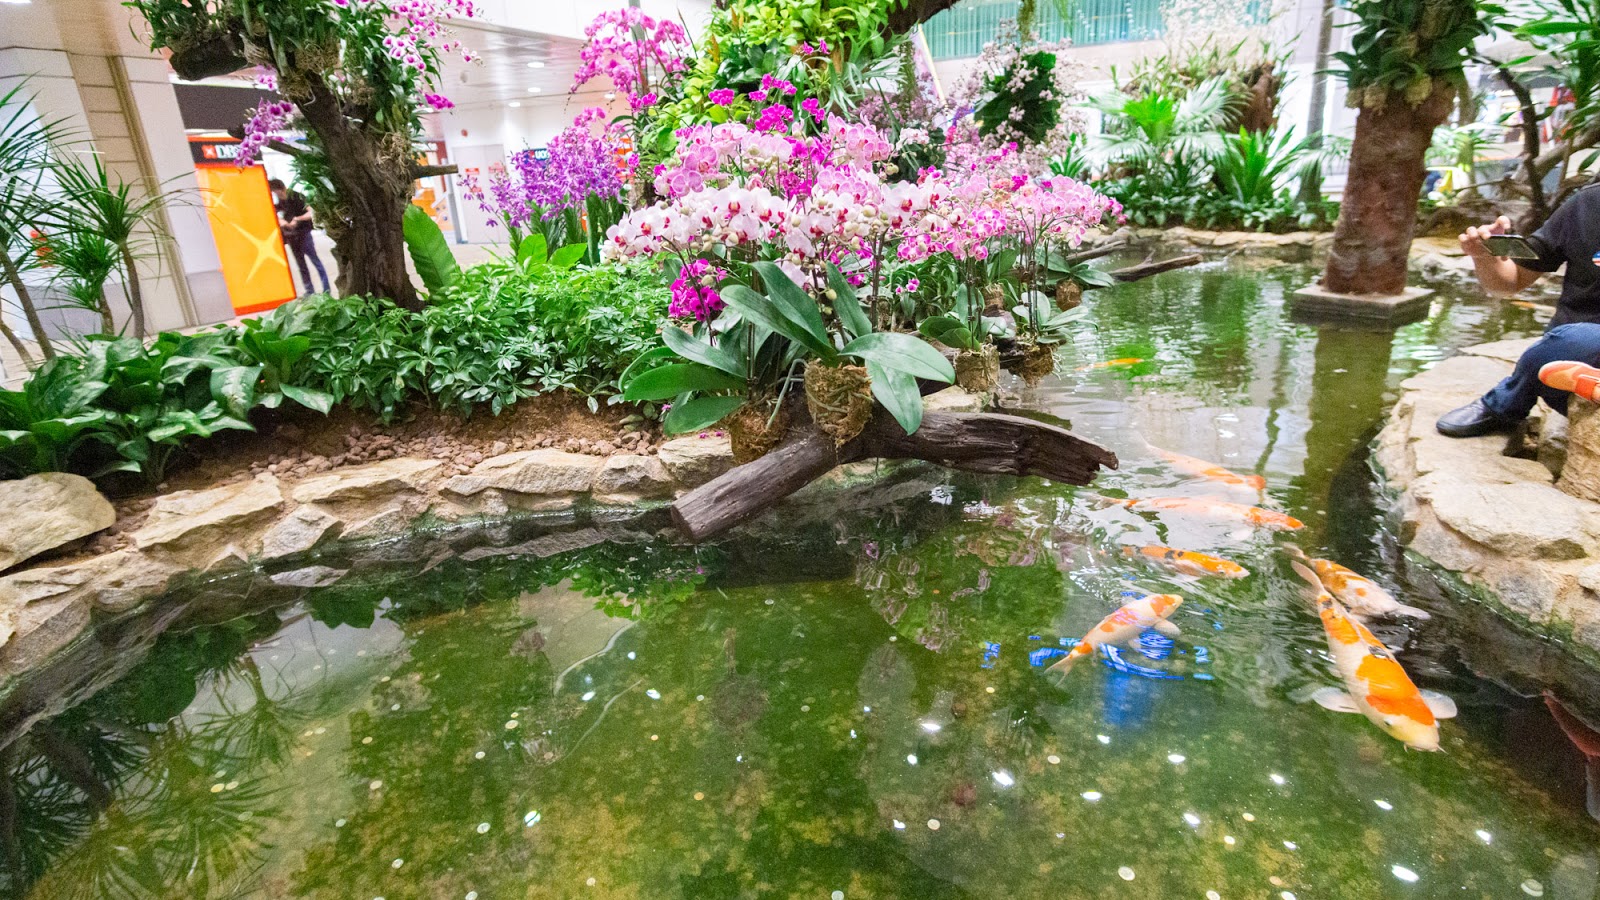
x,y
1472,241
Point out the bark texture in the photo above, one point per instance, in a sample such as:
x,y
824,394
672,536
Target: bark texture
x,y
987,443
1372,241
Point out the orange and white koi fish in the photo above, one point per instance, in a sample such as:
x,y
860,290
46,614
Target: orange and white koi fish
x,y
1376,685
1360,595
1209,471
1124,625
1188,562
1216,509
1113,364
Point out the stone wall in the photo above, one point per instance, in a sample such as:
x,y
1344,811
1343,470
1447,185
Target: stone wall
x,y
279,525
1497,522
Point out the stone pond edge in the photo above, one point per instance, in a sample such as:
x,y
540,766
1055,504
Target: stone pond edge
x,y
278,527
1492,525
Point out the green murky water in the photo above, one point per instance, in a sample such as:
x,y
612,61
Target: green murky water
x,y
847,703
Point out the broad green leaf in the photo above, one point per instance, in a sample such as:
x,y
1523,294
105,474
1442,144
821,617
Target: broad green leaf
x,y
902,353
762,311
701,412
897,392
235,388
321,401
533,250
644,362
694,350
666,382
847,305
430,252
793,303
568,256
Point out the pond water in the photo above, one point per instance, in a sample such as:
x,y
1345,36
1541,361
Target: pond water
x,y
850,702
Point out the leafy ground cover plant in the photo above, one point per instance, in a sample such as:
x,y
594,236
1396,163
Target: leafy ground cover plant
x,y
505,330
119,405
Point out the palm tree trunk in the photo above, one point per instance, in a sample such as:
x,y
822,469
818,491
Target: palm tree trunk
x,y
1372,242
135,292
29,312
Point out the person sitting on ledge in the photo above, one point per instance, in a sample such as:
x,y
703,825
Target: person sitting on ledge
x,y
1570,237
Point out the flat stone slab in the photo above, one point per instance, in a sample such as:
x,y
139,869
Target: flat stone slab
x,y
374,480
1319,303
1505,351
43,512
177,518
530,472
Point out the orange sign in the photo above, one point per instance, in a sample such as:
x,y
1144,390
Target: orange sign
x,y
254,262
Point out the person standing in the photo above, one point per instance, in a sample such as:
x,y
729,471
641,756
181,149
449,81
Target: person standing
x,y
295,219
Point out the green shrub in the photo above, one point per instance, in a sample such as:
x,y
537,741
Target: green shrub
x,y
119,405
501,333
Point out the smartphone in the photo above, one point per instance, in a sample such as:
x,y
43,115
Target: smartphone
x,y
1514,246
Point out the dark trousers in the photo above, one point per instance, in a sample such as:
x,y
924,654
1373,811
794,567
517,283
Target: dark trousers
x,y
303,248
1514,397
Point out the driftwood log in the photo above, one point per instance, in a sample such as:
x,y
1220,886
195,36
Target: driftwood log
x,y
1145,270
987,443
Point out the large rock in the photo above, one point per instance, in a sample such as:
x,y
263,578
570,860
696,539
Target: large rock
x,y
374,481
43,512
299,532
1526,520
215,518
633,477
953,399
1465,377
1505,351
1580,475
693,461
309,577
40,629
530,472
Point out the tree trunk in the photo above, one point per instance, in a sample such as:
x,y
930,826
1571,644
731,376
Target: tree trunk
x,y
369,244
904,18
1372,241
134,291
988,443
29,312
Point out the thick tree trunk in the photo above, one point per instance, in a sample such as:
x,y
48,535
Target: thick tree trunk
x,y
369,244
1372,242
989,443
915,12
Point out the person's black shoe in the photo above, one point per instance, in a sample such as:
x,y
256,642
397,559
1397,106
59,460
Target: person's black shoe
x,y
1473,420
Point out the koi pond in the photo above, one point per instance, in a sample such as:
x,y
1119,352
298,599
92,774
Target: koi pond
x,y
850,702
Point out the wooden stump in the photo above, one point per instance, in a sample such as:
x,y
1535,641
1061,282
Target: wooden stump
x,y
988,443
1580,477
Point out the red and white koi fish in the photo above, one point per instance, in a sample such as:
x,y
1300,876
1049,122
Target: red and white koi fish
x,y
1360,595
1113,364
1216,509
1124,625
1209,471
1376,685
1188,562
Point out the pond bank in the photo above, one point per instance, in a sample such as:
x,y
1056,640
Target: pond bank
x,y
1499,515
282,523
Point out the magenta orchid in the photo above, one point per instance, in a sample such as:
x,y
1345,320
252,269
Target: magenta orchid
x,y
640,54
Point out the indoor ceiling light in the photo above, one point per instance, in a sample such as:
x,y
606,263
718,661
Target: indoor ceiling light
x,y
515,104
535,89
536,65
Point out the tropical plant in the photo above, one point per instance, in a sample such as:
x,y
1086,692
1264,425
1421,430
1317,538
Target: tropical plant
x,y
357,75
1403,70
506,330
25,144
1154,133
94,200
713,380
118,404
1567,32
435,263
